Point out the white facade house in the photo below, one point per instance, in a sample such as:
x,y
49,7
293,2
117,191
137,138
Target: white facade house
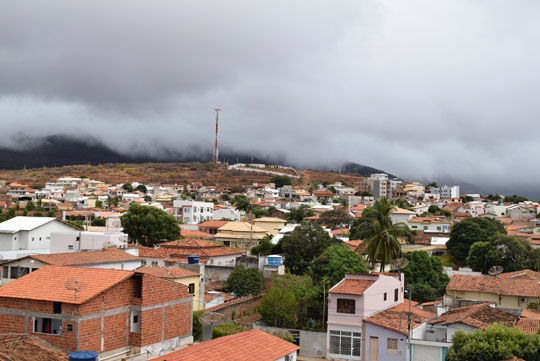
x,y
446,191
226,213
189,212
28,234
62,242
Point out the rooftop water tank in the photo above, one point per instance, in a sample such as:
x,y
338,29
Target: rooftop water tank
x,y
83,356
193,259
273,260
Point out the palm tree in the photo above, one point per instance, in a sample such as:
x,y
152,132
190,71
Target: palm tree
x,y
375,227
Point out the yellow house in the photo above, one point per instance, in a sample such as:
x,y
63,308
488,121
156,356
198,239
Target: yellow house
x,y
507,290
176,274
271,224
240,235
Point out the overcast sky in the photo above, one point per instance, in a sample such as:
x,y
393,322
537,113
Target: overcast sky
x,y
420,89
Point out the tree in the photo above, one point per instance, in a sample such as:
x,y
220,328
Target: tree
x,y
305,243
141,188
265,247
30,206
433,209
39,205
363,194
426,276
432,184
466,199
280,180
148,225
244,281
497,342
287,302
469,231
128,187
336,218
382,237
334,262
243,204
494,197
99,203
510,252
298,214
514,199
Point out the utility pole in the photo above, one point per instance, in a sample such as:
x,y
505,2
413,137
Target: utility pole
x,y
409,324
216,147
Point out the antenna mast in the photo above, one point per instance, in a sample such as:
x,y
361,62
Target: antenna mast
x,y
216,148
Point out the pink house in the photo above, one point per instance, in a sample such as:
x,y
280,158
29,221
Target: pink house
x,y
353,299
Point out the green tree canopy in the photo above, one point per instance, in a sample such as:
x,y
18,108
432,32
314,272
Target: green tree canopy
x,y
128,187
510,252
287,302
280,180
265,247
30,206
336,218
375,227
426,276
298,214
334,262
305,243
469,231
148,225
244,281
497,342
514,199
141,188
363,194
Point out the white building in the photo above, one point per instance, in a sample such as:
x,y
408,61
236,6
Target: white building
x,y
226,213
84,241
446,191
20,236
189,212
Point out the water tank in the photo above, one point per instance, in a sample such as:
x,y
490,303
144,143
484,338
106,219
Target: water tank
x,y
83,356
273,260
193,259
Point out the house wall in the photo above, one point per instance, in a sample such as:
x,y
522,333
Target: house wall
x,y
73,242
270,227
197,295
501,301
39,238
383,335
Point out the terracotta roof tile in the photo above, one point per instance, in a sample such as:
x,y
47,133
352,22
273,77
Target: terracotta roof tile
x,y
528,325
88,257
167,272
197,234
352,286
213,224
244,346
479,316
395,318
49,283
496,285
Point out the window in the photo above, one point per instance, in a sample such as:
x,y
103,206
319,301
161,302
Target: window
x,y
154,263
391,345
345,343
345,305
14,272
191,288
396,294
57,307
135,325
143,262
5,272
385,296
47,325
523,299
70,247
69,327
425,228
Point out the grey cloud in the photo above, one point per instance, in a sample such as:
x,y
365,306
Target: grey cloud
x,y
418,88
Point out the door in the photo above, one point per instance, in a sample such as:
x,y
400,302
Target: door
x,y
373,348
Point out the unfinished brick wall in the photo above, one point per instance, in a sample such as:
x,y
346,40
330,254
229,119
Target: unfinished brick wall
x,y
11,324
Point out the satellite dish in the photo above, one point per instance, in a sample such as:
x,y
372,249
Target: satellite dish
x,y
495,270
108,244
76,286
447,301
398,264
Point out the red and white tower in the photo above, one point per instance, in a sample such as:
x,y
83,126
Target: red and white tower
x,y
216,147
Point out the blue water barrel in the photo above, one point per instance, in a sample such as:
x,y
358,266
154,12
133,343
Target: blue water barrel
x,y
274,260
83,356
193,259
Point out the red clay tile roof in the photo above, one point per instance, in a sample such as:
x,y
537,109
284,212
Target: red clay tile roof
x,y
526,313
479,316
197,234
341,231
523,274
323,193
355,243
213,224
170,250
427,220
190,243
245,346
49,283
395,318
352,287
88,257
182,259
528,325
167,272
496,285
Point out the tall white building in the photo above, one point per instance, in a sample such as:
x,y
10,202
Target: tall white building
x,y
190,212
447,191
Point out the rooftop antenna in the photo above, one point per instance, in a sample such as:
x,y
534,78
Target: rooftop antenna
x,y
75,285
495,270
216,148
398,264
